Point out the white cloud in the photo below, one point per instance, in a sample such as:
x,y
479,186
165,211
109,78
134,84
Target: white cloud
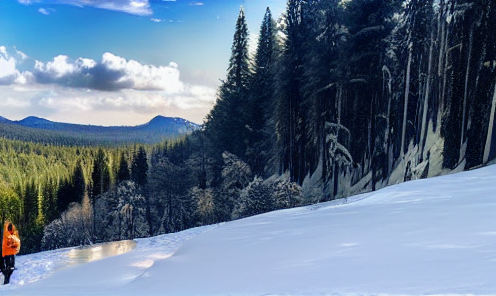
x,y
99,92
7,67
43,11
124,107
22,55
57,68
8,70
10,102
111,73
137,7
28,1
196,3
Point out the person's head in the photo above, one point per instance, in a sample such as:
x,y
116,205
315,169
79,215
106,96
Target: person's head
x,y
10,228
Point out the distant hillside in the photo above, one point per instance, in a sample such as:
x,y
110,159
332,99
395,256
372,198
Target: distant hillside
x,y
40,130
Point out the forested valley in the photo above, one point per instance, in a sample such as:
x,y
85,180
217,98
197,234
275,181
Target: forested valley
x,y
338,98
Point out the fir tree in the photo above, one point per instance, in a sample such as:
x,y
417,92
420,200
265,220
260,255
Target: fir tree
x,y
290,118
258,135
123,173
139,168
30,203
78,183
101,175
227,121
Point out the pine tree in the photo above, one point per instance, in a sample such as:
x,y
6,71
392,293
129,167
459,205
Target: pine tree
x,y
227,121
101,181
123,173
78,183
322,77
290,117
30,203
100,176
259,111
139,168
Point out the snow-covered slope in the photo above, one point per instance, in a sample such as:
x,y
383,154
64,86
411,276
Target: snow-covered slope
x,y
433,237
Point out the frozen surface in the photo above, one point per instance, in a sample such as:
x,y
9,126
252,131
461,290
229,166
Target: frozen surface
x,y
432,237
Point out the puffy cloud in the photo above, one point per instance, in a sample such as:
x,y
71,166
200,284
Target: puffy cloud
x,y
137,7
111,73
7,66
123,107
43,11
109,91
8,69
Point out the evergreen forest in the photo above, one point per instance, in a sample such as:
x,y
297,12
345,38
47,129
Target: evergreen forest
x,y
338,98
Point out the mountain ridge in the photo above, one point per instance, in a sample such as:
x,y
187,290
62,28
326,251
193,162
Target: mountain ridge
x,y
156,130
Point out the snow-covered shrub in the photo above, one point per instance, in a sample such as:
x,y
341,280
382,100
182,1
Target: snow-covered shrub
x,y
121,214
73,228
204,200
256,198
287,194
236,175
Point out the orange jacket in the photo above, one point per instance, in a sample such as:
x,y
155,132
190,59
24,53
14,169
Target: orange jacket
x,y
11,242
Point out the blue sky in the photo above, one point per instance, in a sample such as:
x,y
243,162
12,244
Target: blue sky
x,y
117,62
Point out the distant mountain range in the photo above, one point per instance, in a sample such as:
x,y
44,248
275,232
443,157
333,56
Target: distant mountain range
x,y
37,129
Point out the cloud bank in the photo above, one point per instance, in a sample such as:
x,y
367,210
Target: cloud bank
x,y
77,90
110,73
136,7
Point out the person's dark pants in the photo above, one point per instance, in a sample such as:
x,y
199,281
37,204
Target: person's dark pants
x,y
9,262
2,265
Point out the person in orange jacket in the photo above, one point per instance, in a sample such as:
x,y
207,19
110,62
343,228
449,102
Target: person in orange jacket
x,y
10,247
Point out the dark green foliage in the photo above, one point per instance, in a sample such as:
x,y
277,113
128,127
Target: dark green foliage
x,y
226,125
64,195
123,173
49,193
139,168
100,176
260,104
289,116
69,191
78,183
31,235
30,198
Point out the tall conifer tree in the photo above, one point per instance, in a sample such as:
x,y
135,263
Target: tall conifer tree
x,y
100,175
227,121
289,116
123,173
261,94
139,167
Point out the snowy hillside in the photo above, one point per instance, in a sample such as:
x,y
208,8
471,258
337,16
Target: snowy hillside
x,y
434,236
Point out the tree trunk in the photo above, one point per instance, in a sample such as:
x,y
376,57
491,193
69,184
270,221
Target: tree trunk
x,y
423,132
407,93
490,138
465,94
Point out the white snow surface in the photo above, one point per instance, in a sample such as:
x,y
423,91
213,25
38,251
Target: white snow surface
x,y
434,236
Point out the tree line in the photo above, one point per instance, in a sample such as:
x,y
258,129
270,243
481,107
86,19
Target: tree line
x,y
344,93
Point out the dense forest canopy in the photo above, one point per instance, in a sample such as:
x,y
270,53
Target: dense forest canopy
x,y
340,97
